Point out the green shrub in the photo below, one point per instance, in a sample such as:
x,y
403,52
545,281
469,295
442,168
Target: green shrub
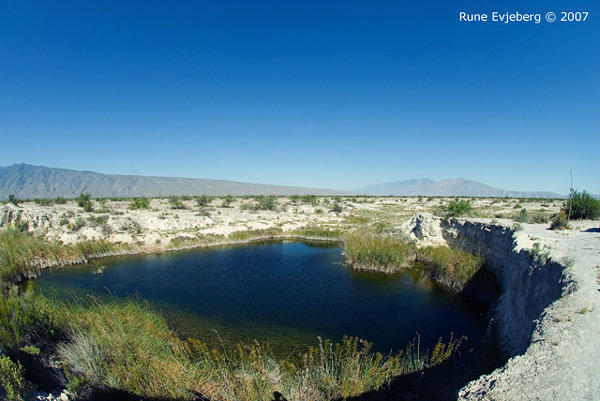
x,y
560,221
204,200
458,208
266,202
85,201
25,319
227,201
139,203
78,224
310,199
337,207
539,218
12,382
176,203
523,216
582,206
60,200
96,221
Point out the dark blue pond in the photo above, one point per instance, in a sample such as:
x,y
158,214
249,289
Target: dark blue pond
x,y
287,293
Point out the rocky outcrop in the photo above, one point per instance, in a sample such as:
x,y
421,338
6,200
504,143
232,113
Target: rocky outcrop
x,y
424,228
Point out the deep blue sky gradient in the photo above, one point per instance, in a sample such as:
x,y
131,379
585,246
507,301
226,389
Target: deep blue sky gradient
x,y
336,94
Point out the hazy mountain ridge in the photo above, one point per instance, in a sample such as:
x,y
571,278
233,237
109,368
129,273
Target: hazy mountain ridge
x,y
29,182
451,187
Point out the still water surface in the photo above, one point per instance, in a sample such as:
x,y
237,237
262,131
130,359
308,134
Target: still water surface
x,y
287,293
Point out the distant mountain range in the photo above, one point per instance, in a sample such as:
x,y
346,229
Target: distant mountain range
x,y
452,187
30,182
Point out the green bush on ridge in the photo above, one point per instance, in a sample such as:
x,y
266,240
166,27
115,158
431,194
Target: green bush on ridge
x,y
581,206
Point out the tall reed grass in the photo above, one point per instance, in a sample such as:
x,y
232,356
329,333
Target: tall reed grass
x,y
451,268
124,345
377,251
128,346
22,254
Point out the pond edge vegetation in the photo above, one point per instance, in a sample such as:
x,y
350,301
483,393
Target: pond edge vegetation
x,y
100,349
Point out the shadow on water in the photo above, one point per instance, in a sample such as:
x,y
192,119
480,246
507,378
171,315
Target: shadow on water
x,y
444,381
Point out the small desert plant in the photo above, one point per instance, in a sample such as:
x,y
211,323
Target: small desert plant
x,y
96,221
85,201
310,199
204,200
523,216
539,218
227,201
60,200
78,224
263,203
458,208
560,221
582,206
176,203
139,203
337,207
43,201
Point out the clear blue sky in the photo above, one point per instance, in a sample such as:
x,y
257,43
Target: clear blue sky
x,y
334,94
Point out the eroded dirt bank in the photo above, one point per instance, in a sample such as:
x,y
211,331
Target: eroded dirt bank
x,y
548,317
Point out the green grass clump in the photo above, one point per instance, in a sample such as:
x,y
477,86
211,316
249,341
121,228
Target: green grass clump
x,y
451,268
23,254
372,251
324,372
128,346
124,345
